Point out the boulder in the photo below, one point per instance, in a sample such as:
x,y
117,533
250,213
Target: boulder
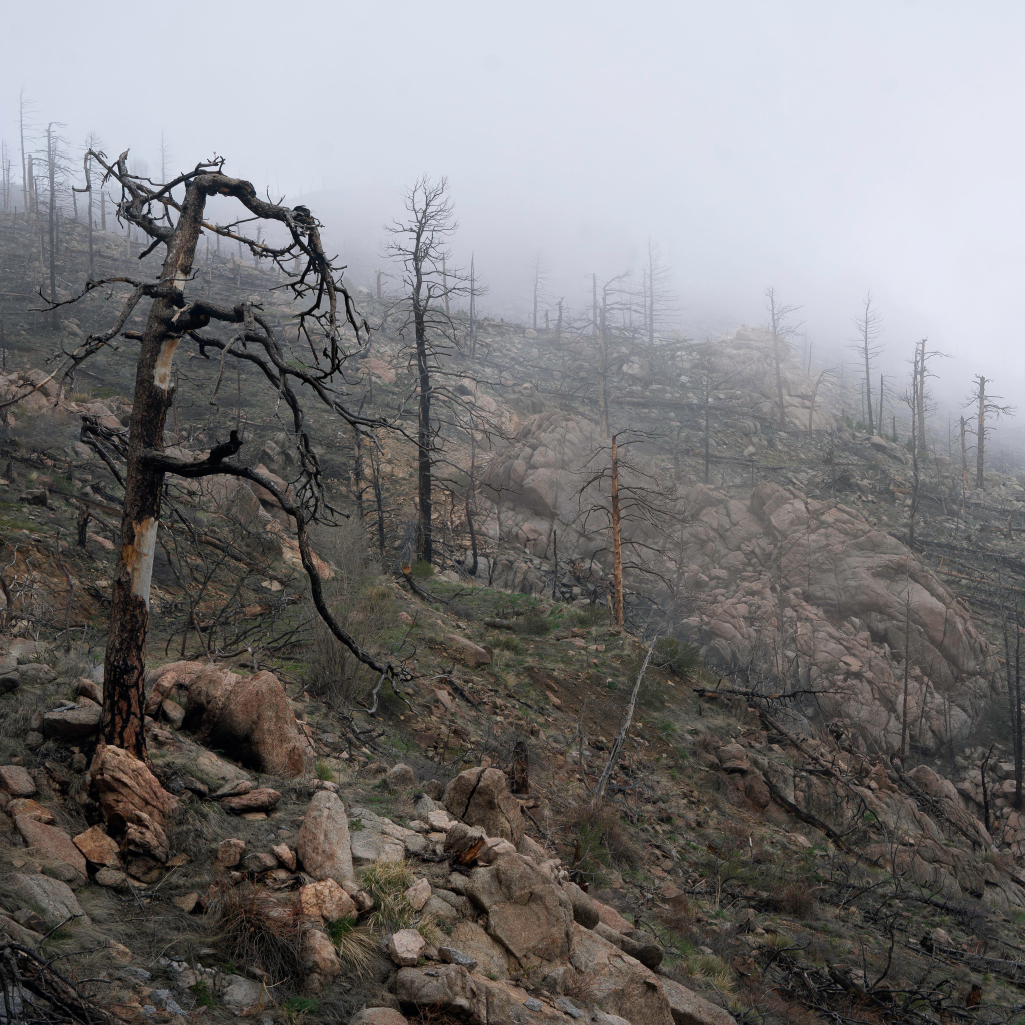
x,y
53,846
76,723
527,913
228,853
466,651
86,688
327,901
249,717
244,996
285,855
687,1008
135,806
406,947
399,777
481,797
418,894
15,779
261,799
323,847
617,983
98,848
52,898
319,954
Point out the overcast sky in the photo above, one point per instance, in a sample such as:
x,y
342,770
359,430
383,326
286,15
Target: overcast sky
x,y
821,148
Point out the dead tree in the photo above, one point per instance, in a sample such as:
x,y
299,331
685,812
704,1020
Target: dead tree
x,y
987,408
781,329
659,297
419,243
540,286
869,324
911,399
240,331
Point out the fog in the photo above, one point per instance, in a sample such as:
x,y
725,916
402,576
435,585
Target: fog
x,y
822,149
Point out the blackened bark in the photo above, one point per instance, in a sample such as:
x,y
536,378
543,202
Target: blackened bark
x,y
425,537
125,658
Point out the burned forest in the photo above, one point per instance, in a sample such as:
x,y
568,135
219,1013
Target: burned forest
x,y
423,622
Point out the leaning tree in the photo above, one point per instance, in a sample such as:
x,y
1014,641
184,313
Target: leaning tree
x,y
301,371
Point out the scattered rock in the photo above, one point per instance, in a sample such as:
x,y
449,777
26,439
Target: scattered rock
x,y
285,855
418,894
228,853
319,954
16,780
52,898
406,947
323,847
326,900
399,777
78,723
27,937
244,996
186,901
54,846
466,651
98,848
481,797
452,956
262,799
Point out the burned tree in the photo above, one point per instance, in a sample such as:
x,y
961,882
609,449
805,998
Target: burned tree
x,y
781,329
420,245
173,215
987,408
869,325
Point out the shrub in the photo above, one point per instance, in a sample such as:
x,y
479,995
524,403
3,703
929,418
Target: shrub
x,y
593,615
672,655
532,624
602,841
796,899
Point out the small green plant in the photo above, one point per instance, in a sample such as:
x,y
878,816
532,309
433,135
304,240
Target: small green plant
x,y
323,771
356,826
676,657
204,998
422,570
296,1009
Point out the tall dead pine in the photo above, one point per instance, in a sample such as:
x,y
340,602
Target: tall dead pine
x,y
617,537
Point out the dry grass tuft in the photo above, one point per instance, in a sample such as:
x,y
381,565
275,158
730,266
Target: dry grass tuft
x,y
257,930
387,882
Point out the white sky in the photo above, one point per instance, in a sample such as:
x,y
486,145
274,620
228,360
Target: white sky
x,y
824,148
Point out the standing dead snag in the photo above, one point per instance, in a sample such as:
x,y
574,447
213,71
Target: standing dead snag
x,y
781,329
617,543
173,316
987,408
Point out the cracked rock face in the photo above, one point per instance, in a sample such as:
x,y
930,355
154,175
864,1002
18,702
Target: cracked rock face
x,y
832,604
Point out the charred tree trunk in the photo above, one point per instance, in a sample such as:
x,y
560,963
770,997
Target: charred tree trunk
x,y
425,538
617,545
125,658
980,444
520,782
